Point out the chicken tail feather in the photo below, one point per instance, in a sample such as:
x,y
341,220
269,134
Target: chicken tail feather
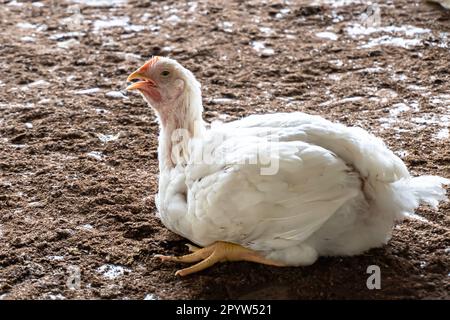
x,y
409,193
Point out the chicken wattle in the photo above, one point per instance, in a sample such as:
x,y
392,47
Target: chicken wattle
x,y
280,189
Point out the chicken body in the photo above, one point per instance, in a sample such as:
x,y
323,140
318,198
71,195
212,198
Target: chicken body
x,y
289,186
336,190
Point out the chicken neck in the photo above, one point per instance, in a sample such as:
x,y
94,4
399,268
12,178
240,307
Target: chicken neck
x,y
179,123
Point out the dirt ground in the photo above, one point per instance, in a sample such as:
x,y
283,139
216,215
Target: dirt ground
x,y
78,159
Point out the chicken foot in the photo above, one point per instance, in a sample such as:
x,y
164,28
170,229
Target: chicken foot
x,y
219,251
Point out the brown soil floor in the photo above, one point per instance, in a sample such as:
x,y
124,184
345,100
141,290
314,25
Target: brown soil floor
x,y
69,200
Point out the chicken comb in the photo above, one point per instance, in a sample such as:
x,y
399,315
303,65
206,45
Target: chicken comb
x,y
152,61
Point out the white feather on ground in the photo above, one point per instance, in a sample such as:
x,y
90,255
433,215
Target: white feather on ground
x,y
444,3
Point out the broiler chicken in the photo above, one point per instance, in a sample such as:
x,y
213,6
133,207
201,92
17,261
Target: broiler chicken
x,y
279,189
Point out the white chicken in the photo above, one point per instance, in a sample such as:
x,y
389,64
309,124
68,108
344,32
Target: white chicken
x,y
279,189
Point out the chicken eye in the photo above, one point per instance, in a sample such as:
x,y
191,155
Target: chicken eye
x,y
165,73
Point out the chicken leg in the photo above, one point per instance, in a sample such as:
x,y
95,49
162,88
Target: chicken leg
x,y
219,251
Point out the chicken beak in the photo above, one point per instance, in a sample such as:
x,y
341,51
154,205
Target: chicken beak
x,y
140,74
145,81
139,84
136,75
